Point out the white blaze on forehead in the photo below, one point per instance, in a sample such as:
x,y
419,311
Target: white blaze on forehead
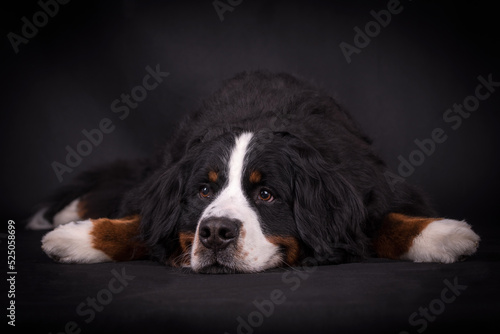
x,y
236,163
228,203
256,252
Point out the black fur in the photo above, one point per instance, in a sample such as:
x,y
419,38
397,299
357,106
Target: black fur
x,y
330,185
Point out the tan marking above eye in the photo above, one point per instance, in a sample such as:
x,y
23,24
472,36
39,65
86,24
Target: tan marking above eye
x,y
255,176
213,176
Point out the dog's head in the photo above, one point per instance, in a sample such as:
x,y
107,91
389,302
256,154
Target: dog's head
x,y
247,202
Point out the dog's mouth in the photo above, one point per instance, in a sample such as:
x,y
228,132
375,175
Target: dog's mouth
x,y
218,268
210,262
218,264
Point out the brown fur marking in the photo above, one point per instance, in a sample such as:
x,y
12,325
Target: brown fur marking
x,y
182,256
186,241
118,238
290,245
397,233
213,176
81,209
255,177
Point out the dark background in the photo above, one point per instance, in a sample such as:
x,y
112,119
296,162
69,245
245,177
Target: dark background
x,y
397,88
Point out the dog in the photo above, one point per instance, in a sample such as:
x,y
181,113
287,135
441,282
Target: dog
x,y
269,172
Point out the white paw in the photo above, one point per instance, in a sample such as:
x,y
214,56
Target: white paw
x,y
444,241
72,243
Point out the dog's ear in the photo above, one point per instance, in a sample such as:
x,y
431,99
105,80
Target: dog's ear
x,y
328,212
160,206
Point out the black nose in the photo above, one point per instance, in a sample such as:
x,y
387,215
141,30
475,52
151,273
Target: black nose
x,y
218,233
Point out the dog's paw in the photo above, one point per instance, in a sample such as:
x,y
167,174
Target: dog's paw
x,y
445,241
72,243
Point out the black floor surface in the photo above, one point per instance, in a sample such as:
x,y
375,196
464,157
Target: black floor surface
x,y
376,296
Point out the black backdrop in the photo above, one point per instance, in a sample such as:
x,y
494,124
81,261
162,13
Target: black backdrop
x,y
398,86
64,79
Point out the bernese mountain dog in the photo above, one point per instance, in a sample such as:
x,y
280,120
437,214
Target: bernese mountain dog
x,y
269,172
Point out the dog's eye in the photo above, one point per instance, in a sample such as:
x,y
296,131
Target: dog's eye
x,y
265,195
205,192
